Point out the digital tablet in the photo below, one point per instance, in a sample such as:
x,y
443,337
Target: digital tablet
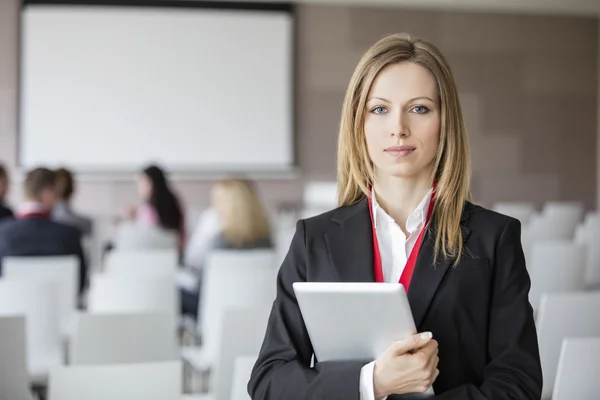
x,y
354,321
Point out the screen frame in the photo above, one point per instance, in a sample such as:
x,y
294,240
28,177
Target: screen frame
x,y
217,170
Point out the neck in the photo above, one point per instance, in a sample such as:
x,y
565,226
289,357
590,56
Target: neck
x,y
399,197
29,202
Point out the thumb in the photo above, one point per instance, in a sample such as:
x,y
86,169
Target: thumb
x,y
413,343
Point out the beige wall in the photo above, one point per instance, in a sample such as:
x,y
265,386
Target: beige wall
x,y
529,87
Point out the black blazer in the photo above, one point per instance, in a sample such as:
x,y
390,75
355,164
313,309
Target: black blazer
x,y
41,237
5,212
478,311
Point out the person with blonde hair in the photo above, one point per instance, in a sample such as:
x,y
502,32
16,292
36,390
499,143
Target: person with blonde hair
x,y
404,216
242,224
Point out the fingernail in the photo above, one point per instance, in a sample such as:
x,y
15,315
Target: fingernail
x,y
426,336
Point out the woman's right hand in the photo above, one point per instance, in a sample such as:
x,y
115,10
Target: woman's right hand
x,y
407,366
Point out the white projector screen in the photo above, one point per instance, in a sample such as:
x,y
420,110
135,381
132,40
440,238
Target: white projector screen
x,y
110,88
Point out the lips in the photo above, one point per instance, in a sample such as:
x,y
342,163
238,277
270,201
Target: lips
x,y
400,151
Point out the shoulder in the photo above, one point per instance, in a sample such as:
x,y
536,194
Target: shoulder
x,y
488,230
331,219
481,219
64,229
7,224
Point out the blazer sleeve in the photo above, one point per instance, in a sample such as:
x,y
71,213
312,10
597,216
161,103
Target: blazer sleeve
x,y
283,368
514,370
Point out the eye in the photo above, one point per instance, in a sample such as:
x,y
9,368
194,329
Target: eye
x,y
379,110
420,110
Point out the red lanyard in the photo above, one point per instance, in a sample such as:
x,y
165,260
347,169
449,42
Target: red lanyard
x,y
41,215
412,259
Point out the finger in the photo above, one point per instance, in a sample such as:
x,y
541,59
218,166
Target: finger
x,y
432,363
435,375
412,343
430,349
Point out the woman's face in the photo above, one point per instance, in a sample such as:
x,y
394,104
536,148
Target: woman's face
x,y
402,123
144,187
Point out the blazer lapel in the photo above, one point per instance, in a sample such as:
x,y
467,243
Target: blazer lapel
x,y
350,244
428,276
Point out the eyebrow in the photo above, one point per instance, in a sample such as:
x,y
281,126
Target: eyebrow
x,y
409,100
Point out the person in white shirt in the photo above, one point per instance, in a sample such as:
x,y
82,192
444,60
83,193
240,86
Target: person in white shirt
x,y
404,217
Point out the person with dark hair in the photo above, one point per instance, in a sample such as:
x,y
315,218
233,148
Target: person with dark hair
x,y
5,212
62,212
32,233
160,205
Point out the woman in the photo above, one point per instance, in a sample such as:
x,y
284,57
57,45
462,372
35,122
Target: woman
x,y
242,225
403,169
160,206
62,211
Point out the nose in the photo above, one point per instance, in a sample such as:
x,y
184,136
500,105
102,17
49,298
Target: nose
x,y
399,127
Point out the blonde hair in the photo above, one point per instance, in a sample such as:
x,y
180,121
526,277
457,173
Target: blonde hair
x,y
244,220
355,172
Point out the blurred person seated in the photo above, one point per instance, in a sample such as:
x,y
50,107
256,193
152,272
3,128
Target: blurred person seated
x,y
237,220
160,207
63,212
33,233
5,211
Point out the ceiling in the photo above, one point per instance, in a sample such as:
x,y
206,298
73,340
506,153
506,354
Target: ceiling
x,y
572,7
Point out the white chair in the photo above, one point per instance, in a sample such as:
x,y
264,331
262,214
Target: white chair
x,y
564,315
38,302
568,210
577,375
232,279
132,236
243,331
117,294
151,381
62,269
105,339
241,375
14,379
283,240
587,235
320,195
592,218
519,210
161,262
558,220
556,266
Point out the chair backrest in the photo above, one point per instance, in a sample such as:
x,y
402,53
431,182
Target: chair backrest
x,y
64,270
571,210
161,262
588,235
38,302
556,266
103,339
592,218
231,279
131,236
520,210
120,294
241,375
564,315
149,381
14,379
577,375
283,240
243,331
320,194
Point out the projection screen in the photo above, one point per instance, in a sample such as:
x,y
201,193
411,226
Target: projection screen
x,y
109,88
